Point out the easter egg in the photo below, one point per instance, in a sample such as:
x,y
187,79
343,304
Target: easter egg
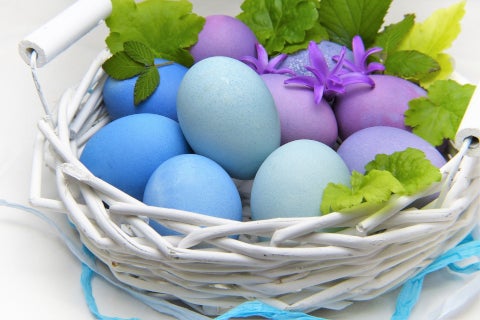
x,y
118,95
298,60
300,116
291,180
224,35
361,147
227,114
383,105
125,152
193,183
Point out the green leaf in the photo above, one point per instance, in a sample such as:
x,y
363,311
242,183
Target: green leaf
x,y
168,28
435,35
120,66
345,19
392,35
414,171
282,25
374,187
139,52
438,116
146,84
410,64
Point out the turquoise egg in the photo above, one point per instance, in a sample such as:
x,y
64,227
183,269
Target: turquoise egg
x,y
291,181
227,114
126,151
194,183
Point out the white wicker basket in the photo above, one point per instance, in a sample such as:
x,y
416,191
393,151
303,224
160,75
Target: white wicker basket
x,y
300,268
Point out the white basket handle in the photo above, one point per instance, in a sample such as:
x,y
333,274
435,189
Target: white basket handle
x,y
63,30
469,128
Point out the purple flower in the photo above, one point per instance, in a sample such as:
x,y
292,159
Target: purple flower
x,y
360,56
262,65
324,82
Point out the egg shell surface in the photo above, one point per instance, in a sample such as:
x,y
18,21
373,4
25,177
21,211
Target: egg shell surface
x,y
193,183
125,152
362,146
118,95
291,181
227,114
300,116
224,35
384,105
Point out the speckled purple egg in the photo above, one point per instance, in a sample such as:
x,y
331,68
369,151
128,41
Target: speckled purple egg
x,y
300,117
298,60
224,35
384,105
361,147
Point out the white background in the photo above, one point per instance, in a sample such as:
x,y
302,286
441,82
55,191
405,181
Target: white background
x,y
39,277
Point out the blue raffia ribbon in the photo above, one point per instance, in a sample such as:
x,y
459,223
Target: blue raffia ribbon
x,y
410,291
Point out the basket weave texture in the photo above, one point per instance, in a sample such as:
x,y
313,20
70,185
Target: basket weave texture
x,y
297,264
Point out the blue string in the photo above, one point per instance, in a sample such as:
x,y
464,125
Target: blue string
x,y
410,292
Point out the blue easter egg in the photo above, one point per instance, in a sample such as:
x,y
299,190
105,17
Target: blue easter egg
x,y
193,183
291,181
118,94
228,114
125,152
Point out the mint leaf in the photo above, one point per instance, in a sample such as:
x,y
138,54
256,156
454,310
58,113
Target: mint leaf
x,y
410,167
438,116
146,84
392,35
139,52
120,66
410,64
168,28
345,19
375,187
282,26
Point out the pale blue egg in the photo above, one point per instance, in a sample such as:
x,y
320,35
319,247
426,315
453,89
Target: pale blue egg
x,y
126,151
291,181
227,114
194,183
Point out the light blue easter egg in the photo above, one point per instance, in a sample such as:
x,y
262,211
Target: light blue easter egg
x,y
227,114
291,181
125,152
118,94
194,183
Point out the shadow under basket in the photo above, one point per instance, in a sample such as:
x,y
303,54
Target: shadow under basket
x,y
301,264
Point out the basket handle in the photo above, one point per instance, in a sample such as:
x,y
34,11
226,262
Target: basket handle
x,y
469,129
63,30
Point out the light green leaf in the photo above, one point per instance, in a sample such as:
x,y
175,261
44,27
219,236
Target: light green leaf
x,y
139,52
120,66
410,64
146,84
438,116
392,35
345,19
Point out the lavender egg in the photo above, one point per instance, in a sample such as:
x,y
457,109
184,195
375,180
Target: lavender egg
x,y
223,35
300,117
298,60
362,147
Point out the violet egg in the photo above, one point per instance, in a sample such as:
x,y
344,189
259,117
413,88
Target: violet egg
x,y
362,106
193,183
224,35
300,116
361,147
291,180
125,152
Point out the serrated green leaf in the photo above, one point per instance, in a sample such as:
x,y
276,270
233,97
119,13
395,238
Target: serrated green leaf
x,y
282,25
392,35
120,66
146,84
414,171
345,19
139,52
438,116
169,28
410,64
